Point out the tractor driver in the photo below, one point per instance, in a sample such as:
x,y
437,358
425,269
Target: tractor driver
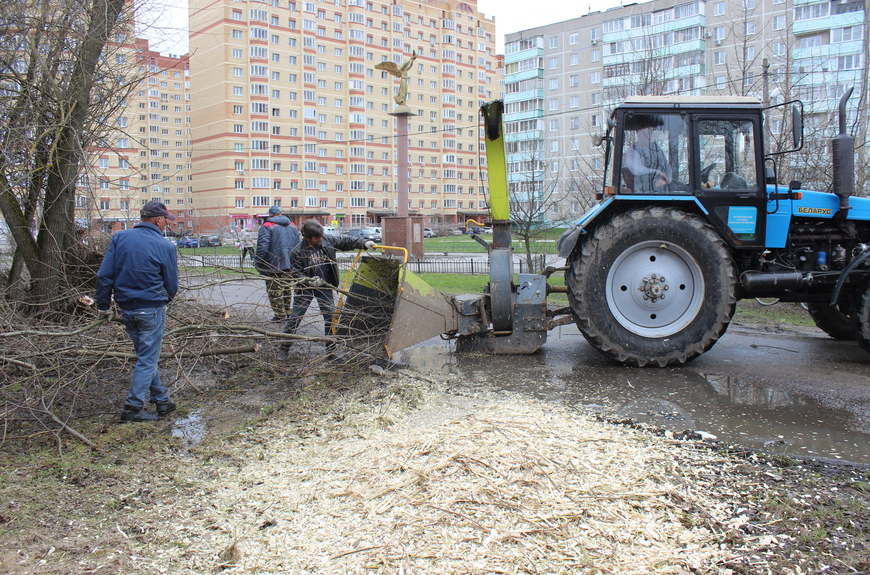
x,y
648,165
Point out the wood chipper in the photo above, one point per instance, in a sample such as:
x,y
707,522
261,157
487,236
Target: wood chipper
x,y
386,300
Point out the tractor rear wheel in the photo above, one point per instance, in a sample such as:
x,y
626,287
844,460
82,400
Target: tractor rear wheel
x,y
832,320
653,286
861,316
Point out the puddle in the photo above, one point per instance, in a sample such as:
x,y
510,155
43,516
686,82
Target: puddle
x,y
734,410
191,428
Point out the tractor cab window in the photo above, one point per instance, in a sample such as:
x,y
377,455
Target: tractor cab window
x,y
655,155
727,155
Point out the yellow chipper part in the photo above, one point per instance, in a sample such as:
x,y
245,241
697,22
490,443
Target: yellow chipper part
x,y
383,302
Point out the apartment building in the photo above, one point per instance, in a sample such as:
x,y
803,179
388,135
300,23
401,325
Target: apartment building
x,y
288,109
563,79
147,151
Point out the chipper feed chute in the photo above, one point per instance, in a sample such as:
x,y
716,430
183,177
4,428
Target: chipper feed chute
x,y
390,306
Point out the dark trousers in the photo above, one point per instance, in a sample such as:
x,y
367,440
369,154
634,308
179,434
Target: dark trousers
x,y
301,301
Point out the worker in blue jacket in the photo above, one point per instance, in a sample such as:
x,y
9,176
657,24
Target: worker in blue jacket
x,y
140,269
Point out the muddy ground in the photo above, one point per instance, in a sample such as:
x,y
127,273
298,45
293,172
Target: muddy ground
x,y
148,501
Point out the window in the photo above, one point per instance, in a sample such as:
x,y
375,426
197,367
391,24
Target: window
x,y
655,153
719,9
811,11
719,57
848,34
574,59
732,140
750,27
779,22
850,62
595,77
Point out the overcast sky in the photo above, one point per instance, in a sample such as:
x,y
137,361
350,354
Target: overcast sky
x,y
166,27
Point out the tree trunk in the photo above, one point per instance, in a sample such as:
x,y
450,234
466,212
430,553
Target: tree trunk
x,y
57,232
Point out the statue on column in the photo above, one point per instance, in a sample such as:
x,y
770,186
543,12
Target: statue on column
x,y
400,72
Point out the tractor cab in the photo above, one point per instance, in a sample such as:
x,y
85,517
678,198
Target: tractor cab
x,y
707,151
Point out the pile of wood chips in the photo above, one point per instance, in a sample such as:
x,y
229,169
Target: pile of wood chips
x,y
407,478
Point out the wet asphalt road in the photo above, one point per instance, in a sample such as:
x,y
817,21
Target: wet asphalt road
x,y
798,393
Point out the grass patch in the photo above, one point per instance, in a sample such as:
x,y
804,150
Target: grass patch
x,y
772,316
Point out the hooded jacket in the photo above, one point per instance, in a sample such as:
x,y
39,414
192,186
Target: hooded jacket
x,y
276,238
141,269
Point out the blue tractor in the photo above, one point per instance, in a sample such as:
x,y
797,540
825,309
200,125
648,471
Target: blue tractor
x,y
692,219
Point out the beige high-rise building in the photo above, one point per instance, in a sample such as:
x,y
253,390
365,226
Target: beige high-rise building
x,y
147,156
289,110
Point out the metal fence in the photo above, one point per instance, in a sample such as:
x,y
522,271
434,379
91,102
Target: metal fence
x,y
428,265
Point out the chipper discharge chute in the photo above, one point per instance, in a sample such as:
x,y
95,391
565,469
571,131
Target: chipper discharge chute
x,y
399,309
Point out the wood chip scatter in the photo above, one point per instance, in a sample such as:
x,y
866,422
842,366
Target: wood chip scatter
x,y
502,485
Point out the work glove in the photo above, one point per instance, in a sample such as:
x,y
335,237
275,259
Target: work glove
x,y
108,314
315,282
369,245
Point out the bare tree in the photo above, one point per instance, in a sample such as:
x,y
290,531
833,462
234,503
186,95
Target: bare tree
x,y
533,196
57,87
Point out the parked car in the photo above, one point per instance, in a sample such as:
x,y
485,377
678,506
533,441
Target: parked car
x,y
330,230
429,233
187,242
210,242
364,233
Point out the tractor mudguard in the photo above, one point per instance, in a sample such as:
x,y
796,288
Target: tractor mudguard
x,y
568,239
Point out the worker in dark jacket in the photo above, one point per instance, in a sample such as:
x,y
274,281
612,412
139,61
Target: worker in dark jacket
x,y
277,237
140,269
315,267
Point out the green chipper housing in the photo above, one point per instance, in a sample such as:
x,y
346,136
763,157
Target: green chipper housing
x,y
388,301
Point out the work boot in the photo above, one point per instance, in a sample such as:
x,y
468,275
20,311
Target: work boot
x,y
283,352
137,414
164,408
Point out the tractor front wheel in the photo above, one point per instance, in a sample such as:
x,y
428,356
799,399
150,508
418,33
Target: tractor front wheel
x,y
653,286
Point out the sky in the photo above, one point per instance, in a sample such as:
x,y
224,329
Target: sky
x,y
165,28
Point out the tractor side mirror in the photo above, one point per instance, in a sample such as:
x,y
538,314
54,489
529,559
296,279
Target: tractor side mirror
x,y
797,125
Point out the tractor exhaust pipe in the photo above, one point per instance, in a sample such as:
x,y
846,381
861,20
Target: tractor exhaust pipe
x,y
756,282
843,147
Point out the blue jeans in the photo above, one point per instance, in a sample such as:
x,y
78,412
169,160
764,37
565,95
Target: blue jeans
x,y
145,328
301,301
